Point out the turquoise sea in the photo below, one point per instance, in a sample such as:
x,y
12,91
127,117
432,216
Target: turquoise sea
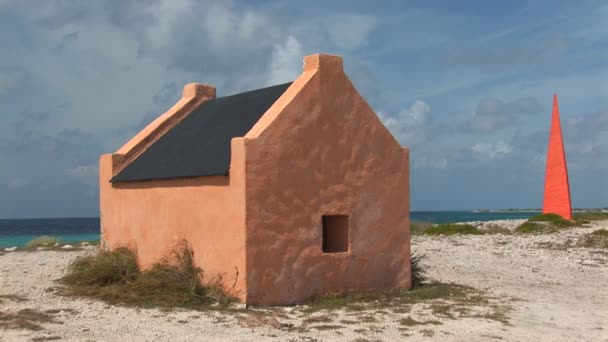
x,y
17,232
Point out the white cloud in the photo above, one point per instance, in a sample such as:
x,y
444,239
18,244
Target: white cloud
x,y
109,71
86,174
489,151
217,39
286,62
7,81
412,125
428,162
17,183
350,32
493,114
96,65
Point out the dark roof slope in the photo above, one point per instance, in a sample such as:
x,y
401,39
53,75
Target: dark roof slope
x,y
199,145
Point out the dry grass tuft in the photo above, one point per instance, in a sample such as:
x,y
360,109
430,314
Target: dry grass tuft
x,y
410,322
117,267
174,282
417,272
26,319
46,338
12,297
444,300
450,301
595,239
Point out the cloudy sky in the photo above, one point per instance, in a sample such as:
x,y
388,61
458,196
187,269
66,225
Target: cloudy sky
x,y
467,85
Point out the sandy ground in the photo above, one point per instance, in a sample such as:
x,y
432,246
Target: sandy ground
x,y
547,294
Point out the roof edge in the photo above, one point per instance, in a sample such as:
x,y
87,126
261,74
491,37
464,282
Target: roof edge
x,y
323,62
193,95
313,64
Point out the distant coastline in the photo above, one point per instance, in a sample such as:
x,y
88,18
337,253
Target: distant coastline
x,y
534,210
509,210
17,232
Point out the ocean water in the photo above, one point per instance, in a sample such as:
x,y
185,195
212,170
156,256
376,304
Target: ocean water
x,y
17,232
467,216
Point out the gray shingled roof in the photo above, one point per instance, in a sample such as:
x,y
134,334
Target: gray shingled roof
x,y
199,145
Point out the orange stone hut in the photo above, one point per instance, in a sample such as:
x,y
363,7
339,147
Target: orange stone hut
x,y
299,187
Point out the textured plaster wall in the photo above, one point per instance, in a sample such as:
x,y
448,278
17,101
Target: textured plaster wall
x,y
320,149
209,212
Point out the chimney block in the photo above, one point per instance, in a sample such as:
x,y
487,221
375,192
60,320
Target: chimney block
x,y
199,90
323,62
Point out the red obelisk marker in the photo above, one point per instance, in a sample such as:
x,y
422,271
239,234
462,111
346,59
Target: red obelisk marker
x,y
557,189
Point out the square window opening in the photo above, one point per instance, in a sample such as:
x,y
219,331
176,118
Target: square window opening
x,y
335,233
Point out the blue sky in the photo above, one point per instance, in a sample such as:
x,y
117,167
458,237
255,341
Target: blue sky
x,y
467,85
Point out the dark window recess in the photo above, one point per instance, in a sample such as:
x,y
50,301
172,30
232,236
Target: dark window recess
x,y
335,233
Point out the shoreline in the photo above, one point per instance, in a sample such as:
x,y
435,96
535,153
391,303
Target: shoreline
x,y
545,291
88,237
511,224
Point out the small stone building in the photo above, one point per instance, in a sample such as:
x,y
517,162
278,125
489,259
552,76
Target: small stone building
x,y
288,191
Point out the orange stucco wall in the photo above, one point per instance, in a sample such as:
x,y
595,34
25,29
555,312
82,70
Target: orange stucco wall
x,y
209,212
320,149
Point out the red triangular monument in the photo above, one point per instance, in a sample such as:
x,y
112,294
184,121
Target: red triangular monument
x,y
557,189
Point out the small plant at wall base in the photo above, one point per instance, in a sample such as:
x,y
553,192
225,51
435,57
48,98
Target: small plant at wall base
x,y
418,228
448,301
115,278
43,241
417,272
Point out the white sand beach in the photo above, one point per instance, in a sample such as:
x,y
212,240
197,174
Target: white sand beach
x,y
540,287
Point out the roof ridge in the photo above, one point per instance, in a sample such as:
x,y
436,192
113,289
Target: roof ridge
x,y
199,145
253,90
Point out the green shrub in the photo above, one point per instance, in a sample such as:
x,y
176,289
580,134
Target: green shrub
x,y
496,229
531,227
545,223
43,241
452,229
117,267
555,220
591,216
173,282
176,280
418,228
